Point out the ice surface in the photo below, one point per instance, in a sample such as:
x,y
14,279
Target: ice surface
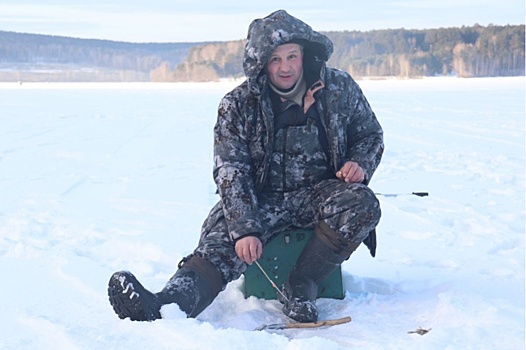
x,y
96,178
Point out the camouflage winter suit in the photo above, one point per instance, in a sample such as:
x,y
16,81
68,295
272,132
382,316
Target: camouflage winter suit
x,y
269,179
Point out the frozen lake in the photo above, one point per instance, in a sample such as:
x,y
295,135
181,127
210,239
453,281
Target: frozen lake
x,y
96,178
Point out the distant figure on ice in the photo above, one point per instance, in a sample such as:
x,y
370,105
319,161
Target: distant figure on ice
x,y
295,145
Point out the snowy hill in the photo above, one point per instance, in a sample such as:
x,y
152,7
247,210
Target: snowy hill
x,y
96,178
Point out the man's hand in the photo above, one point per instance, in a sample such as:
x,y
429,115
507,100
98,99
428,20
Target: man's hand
x,y
249,249
351,172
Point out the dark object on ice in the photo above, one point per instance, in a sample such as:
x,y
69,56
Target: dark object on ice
x,y
420,331
419,194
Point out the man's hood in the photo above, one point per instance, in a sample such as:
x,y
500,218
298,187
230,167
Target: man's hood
x,y
265,34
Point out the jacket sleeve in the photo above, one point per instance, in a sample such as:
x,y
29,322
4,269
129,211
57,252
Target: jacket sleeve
x,y
233,171
364,134
365,145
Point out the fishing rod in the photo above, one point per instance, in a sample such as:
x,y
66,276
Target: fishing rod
x,y
271,281
419,194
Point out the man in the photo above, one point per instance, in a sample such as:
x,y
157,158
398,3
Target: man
x,y
295,146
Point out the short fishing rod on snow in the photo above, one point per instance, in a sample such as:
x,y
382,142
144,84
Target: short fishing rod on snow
x,y
419,194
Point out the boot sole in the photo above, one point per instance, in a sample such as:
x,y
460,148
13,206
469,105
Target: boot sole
x,y
130,299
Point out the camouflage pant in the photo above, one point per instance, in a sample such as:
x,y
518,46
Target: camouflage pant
x,y
352,210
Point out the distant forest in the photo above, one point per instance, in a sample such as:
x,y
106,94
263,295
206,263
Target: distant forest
x,y
35,57
476,51
467,52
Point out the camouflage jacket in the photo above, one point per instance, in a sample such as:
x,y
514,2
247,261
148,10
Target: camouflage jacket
x,y
244,132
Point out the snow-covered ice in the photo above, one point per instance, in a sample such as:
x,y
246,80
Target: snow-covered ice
x,y
96,178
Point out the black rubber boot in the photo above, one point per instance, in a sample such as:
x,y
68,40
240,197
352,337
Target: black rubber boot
x,y
193,287
130,299
324,252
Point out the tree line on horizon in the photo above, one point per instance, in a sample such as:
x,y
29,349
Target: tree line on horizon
x,y
475,51
37,57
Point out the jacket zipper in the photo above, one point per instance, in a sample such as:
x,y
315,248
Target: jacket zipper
x,y
284,160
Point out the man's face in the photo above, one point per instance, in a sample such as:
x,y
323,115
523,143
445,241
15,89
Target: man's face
x,y
285,65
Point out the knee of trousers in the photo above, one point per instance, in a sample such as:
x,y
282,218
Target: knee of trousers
x,y
353,212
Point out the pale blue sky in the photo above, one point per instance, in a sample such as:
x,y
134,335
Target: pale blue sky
x,y
176,21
